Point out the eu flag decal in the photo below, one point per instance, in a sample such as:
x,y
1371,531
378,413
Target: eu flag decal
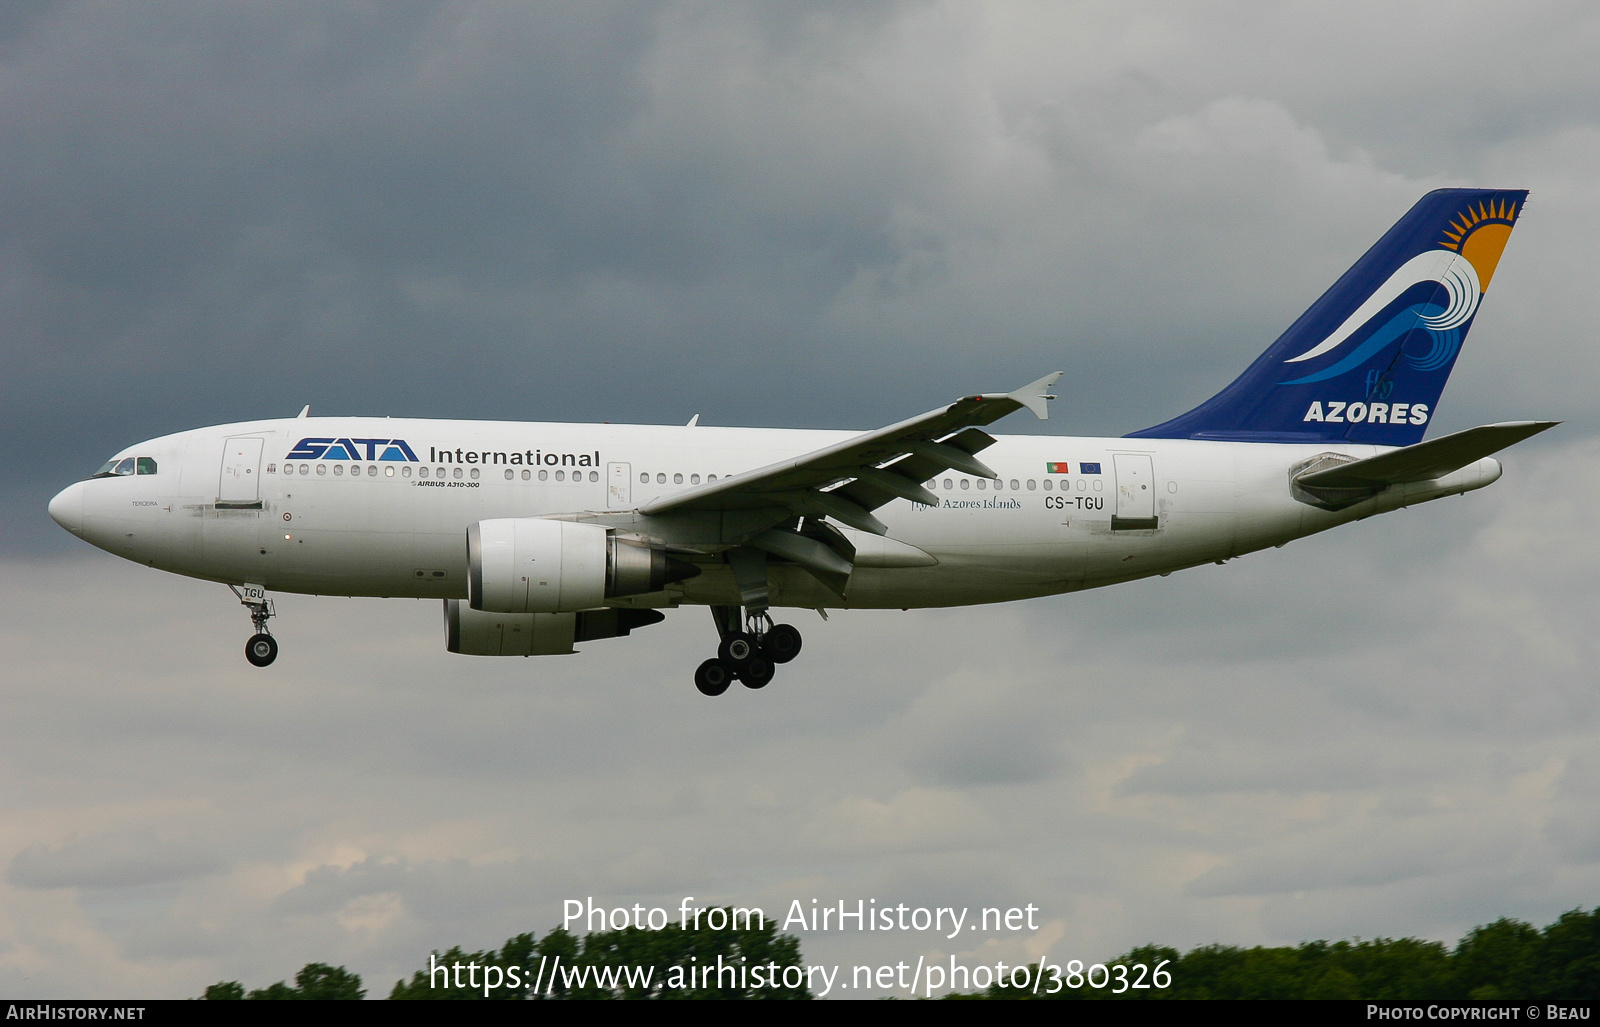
x,y
1088,468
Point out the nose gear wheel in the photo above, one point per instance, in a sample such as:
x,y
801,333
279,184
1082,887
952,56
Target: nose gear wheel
x,y
262,648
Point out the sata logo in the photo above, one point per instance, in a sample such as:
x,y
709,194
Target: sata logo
x,y
352,449
1367,413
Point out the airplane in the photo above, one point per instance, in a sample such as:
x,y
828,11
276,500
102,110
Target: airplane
x,y
539,537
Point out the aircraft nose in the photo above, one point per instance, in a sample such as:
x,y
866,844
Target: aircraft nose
x,y
66,509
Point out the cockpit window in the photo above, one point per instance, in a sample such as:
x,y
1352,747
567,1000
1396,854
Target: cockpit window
x,y
146,465
115,468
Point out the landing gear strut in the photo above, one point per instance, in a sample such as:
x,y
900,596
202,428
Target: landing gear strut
x,y
262,648
750,650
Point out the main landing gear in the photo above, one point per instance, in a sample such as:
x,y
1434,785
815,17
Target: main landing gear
x,y
748,653
262,648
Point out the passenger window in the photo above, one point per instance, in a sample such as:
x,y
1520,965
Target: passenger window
x,y
661,479
711,477
372,470
544,475
322,468
456,473
388,472
947,484
509,474
1047,485
966,483
677,479
644,479
405,472
474,474
982,484
561,476
526,475
422,472
1013,484
594,475
694,479
338,469
1030,484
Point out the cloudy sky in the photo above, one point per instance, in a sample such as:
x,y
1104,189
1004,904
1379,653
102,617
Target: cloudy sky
x,y
814,215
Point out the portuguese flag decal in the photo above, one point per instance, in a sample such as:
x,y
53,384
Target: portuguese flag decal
x,y
1055,468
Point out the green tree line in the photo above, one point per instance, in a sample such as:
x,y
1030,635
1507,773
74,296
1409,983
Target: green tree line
x,y
633,963
1508,959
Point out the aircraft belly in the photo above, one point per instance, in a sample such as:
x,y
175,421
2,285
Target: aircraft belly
x,y
231,542
953,583
330,539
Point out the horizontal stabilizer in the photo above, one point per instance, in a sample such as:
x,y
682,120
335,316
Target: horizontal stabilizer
x,y
1425,460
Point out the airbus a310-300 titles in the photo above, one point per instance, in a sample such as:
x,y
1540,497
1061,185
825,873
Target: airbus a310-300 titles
x,y
538,537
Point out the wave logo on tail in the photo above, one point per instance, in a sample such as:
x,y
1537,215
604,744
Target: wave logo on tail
x,y
1462,265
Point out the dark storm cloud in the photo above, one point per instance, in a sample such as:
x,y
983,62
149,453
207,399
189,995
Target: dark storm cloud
x,y
639,212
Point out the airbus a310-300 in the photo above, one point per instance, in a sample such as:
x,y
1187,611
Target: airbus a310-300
x,y
538,537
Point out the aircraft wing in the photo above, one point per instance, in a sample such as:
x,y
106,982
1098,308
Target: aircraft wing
x,y
849,480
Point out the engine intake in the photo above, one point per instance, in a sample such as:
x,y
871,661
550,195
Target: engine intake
x,y
535,565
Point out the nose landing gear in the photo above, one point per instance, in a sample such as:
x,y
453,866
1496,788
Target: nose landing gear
x,y
749,652
262,648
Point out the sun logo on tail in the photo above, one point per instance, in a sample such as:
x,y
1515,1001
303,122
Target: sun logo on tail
x,y
1479,234
1463,263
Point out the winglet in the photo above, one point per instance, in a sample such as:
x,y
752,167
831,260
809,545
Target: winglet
x,y
1035,394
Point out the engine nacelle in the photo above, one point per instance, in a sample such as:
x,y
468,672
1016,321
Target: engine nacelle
x,y
534,565
476,633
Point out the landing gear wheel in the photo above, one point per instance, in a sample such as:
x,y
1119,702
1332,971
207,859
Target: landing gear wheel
x,y
781,643
713,677
261,650
757,672
737,649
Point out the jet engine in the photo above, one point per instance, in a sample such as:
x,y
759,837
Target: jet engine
x,y
476,633
534,565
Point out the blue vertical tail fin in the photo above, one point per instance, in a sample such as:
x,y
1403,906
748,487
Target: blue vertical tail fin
x,y
1368,361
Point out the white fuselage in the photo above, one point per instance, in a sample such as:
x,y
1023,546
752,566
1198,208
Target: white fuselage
x,y
216,508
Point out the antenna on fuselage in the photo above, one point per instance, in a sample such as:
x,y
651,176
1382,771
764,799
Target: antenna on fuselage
x,y
305,411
